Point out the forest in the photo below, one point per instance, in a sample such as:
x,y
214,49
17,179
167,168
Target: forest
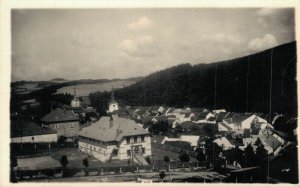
x,y
262,82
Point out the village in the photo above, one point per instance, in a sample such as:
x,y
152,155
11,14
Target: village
x,y
149,144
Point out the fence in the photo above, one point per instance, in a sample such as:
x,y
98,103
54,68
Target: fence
x,y
21,149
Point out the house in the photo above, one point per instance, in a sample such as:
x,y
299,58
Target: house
x,y
219,110
205,117
193,140
115,138
224,142
31,132
243,121
64,122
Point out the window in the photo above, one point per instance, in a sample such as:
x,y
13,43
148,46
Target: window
x,y
129,152
115,152
139,139
142,138
56,126
143,150
128,140
135,139
94,148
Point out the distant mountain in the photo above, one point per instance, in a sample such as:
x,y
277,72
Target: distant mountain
x,y
240,85
58,80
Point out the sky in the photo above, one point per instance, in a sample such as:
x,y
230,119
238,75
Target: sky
x,y
122,43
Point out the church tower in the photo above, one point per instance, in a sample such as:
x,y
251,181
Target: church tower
x,y
113,105
75,102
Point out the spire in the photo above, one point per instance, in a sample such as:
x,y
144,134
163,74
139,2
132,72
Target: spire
x,y
74,93
112,94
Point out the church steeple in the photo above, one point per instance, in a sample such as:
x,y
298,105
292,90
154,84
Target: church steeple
x,y
112,99
113,105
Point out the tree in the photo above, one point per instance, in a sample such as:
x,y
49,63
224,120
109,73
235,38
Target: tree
x,y
162,175
257,142
249,159
166,159
200,156
85,162
64,161
13,163
184,157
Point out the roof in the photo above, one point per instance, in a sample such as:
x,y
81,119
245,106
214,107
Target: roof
x,y
198,109
272,142
21,129
226,126
246,133
60,115
238,118
120,112
112,129
201,116
191,139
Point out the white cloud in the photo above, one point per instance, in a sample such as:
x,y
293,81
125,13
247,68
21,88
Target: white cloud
x,y
142,23
259,44
142,46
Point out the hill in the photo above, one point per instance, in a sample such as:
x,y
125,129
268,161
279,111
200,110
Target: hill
x,y
240,85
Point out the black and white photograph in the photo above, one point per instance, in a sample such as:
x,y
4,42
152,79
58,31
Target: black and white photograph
x,y
203,95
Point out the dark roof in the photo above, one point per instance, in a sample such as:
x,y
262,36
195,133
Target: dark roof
x,y
112,129
220,116
198,109
201,115
226,126
60,115
20,129
246,133
238,118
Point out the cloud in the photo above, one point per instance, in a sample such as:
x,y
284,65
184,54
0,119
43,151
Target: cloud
x,y
142,23
142,46
259,44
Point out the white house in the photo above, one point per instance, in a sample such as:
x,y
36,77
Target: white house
x,y
115,138
224,143
243,121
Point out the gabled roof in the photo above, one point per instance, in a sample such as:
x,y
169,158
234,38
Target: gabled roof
x,y
112,129
201,116
246,133
21,129
60,115
238,118
226,126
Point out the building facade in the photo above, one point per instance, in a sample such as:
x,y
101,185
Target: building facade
x,y
64,122
115,138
